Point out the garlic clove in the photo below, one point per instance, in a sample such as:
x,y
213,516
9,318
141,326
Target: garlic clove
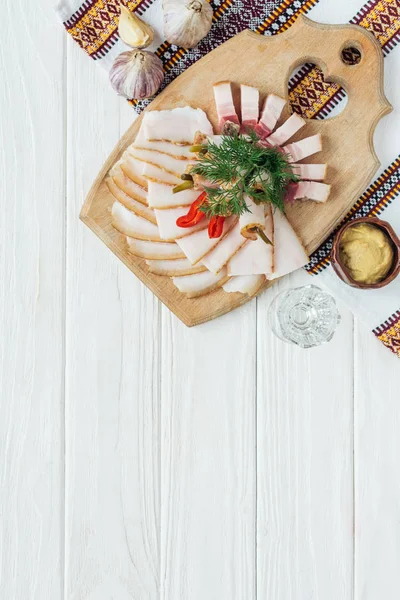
x,y
137,74
133,31
186,22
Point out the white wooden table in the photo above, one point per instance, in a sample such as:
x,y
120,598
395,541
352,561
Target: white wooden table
x,y
143,460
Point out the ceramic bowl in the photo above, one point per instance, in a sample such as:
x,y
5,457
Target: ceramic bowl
x,y
340,268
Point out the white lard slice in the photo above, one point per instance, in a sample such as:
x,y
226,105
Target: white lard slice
x,y
290,253
130,203
313,190
162,161
286,131
245,284
255,217
173,268
154,250
128,223
307,147
310,172
224,103
133,169
272,110
197,245
200,284
181,152
217,258
153,173
161,196
178,125
249,101
256,257
126,184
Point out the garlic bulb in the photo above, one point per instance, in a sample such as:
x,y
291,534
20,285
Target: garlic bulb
x,y
137,74
186,22
133,31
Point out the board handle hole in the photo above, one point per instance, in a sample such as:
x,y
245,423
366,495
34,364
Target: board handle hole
x,y
312,97
351,55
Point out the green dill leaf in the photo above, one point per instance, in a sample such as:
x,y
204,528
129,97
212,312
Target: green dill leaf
x,y
240,166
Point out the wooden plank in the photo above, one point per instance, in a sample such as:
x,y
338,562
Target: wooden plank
x,y
112,373
208,458
304,463
31,304
377,487
367,104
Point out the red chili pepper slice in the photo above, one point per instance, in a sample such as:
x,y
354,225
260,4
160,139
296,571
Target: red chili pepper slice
x,y
195,215
215,226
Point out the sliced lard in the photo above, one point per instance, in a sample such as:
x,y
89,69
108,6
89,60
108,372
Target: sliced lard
x,y
129,224
245,284
154,250
126,184
160,196
286,131
310,172
307,147
255,217
312,190
249,102
166,220
162,161
290,253
200,284
256,257
173,268
178,125
153,173
197,245
224,103
218,257
179,151
134,170
137,207
270,114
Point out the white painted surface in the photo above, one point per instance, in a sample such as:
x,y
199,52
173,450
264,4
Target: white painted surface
x,y
140,460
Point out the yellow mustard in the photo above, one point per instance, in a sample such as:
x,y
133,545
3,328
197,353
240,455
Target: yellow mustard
x,y
366,252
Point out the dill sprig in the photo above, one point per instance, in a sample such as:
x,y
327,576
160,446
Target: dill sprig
x,y
239,166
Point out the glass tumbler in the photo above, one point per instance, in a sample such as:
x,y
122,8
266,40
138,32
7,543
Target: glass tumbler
x,y
306,316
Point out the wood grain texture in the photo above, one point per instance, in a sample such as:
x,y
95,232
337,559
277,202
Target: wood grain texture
x,y
161,447
304,464
112,375
268,66
31,305
208,458
377,484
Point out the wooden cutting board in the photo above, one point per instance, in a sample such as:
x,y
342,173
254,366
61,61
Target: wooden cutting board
x,y
267,63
